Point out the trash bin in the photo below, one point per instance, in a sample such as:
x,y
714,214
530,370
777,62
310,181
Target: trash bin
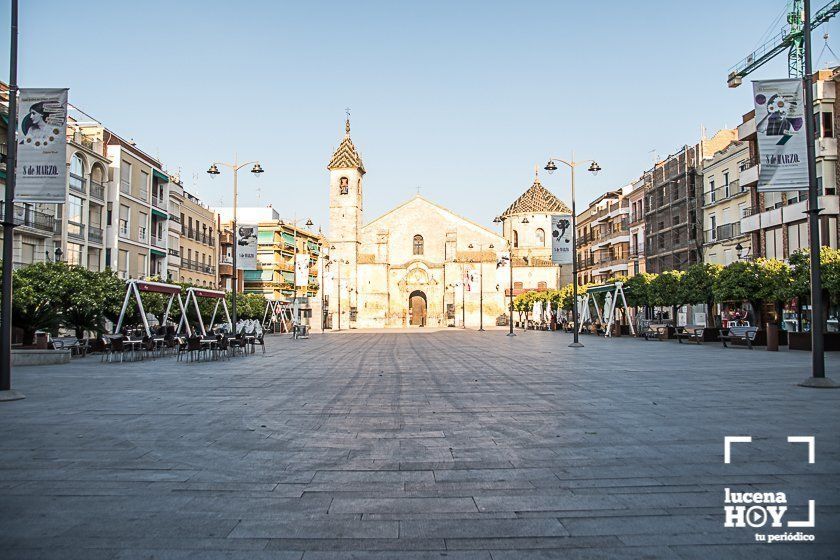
x,y
40,340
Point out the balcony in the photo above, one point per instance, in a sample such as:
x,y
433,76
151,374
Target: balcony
x,y
75,230
226,238
160,203
125,187
826,148
123,231
723,193
722,233
158,242
176,252
97,190
746,131
95,235
76,183
27,217
749,175
197,266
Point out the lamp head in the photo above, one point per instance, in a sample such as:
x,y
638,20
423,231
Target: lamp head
x,y
257,169
470,246
497,220
525,220
213,170
594,168
551,167
309,223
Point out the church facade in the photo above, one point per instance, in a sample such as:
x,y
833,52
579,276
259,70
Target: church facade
x,y
422,265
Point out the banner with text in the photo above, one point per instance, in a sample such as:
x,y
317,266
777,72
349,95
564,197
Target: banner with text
x,y
561,239
246,247
302,269
470,280
780,129
42,146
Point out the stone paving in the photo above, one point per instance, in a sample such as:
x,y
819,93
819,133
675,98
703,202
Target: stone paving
x,y
455,444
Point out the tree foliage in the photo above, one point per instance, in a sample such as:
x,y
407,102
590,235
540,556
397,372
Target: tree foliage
x,y
665,289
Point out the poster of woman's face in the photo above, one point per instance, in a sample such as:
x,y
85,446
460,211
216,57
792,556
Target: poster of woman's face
x,y
38,126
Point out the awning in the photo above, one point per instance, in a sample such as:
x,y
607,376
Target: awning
x,y
158,252
159,214
162,176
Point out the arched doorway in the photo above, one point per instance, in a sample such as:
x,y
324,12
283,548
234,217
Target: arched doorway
x,y
417,308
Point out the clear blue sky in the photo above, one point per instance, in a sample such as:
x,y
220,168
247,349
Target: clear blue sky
x,y
458,98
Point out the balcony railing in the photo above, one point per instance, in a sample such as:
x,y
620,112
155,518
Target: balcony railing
x,y
142,234
75,229
124,231
722,193
158,242
200,237
26,216
125,187
722,233
77,183
161,203
176,252
95,234
97,190
197,266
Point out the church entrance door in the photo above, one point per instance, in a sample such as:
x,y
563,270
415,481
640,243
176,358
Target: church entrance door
x,y
417,308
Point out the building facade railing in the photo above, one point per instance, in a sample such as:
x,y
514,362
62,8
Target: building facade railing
x,y
197,266
97,190
29,217
95,234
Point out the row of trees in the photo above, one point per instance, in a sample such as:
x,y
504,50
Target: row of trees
x,y
55,295
759,282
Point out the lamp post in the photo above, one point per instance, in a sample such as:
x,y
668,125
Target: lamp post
x,y
338,291
501,220
6,392
481,284
235,167
294,224
594,168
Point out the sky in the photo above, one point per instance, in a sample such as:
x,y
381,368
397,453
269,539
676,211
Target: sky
x,y
457,99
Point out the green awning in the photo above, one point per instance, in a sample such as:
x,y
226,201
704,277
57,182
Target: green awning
x,y
162,176
159,214
601,289
3,174
158,252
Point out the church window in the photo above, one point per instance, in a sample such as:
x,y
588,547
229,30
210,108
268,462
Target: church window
x,y
418,244
515,238
540,236
343,185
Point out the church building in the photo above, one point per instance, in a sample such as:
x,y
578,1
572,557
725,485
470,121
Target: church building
x,y
422,265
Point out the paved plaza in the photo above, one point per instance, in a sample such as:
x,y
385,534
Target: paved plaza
x,y
448,445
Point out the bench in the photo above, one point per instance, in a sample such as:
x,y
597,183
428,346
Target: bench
x,y
655,332
739,334
690,333
76,347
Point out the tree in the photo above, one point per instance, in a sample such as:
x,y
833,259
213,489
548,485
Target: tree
x,y
637,290
777,285
738,282
38,291
800,263
665,290
697,286
89,298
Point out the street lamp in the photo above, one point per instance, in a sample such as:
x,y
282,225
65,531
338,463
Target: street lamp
x,y
235,167
481,284
338,291
500,220
594,168
58,253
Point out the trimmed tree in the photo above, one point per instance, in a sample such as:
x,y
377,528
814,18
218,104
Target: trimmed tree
x,y
665,291
697,286
739,282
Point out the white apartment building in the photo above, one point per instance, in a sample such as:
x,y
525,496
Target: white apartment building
x,y
725,200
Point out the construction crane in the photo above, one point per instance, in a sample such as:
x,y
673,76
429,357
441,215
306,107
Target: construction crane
x,y
790,37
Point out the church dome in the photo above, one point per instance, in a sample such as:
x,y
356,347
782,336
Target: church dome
x,y
537,200
346,156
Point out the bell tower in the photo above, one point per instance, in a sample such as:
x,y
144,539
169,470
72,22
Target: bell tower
x,y
346,172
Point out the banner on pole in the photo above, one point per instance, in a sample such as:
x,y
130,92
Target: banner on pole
x,y
470,280
502,270
246,246
41,171
561,239
302,269
780,129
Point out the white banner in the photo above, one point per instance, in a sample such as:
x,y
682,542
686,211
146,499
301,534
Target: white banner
x,y
780,128
246,246
302,269
470,280
502,270
561,239
42,146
